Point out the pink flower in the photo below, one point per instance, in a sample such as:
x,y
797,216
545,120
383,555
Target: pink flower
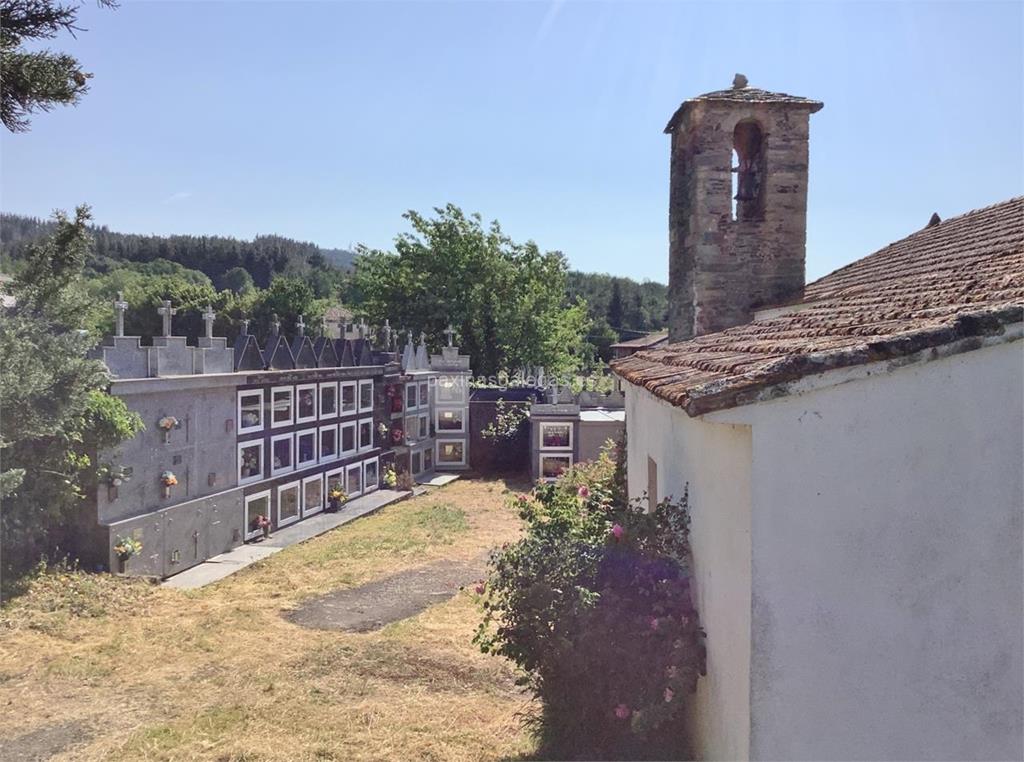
x,y
480,588
669,695
672,672
523,499
653,622
583,491
622,711
618,531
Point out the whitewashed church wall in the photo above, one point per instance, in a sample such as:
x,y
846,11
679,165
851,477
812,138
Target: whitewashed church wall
x,y
887,564
714,460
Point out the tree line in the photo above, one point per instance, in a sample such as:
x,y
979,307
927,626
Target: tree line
x,y
229,263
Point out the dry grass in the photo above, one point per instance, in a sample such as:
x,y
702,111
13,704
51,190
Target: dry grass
x,y
219,674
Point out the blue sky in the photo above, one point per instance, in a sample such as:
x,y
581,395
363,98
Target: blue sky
x,y
325,121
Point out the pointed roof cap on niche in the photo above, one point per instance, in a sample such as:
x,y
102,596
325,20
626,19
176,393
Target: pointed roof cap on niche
x,y
742,92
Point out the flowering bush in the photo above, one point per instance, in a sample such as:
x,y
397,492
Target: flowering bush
x,y
593,605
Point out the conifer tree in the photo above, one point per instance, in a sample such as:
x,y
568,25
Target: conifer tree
x,y
55,415
37,80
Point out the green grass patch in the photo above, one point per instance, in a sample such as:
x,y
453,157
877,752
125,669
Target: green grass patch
x,y
393,533
203,730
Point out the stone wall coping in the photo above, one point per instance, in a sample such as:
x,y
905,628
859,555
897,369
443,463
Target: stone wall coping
x,y
155,384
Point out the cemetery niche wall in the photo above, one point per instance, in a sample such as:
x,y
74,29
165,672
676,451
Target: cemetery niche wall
x,y
245,439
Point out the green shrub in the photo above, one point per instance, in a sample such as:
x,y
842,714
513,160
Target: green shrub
x,y
593,605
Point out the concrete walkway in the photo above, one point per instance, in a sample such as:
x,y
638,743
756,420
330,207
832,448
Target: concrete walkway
x,y
226,564
436,480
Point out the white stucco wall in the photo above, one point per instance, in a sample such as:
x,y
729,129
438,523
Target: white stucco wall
x,y
714,459
886,563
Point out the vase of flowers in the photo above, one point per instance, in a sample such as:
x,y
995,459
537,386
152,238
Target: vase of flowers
x,y
335,498
397,435
261,523
125,548
168,480
390,477
165,425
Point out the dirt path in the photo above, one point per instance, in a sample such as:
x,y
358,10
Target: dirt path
x,y
42,744
399,596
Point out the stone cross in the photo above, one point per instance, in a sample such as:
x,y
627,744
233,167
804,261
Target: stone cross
x,y
245,327
120,305
300,327
275,324
167,312
449,332
208,318
386,333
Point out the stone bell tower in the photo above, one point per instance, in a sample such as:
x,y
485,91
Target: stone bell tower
x,y
737,206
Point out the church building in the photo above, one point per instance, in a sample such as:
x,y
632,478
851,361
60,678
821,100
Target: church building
x,y
852,449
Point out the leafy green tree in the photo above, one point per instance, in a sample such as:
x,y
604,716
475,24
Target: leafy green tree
x,y
37,80
288,298
602,336
237,279
56,414
505,299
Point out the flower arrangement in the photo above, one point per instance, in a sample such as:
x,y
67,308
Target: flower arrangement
x,y
261,523
390,477
168,480
126,547
250,463
338,494
114,476
165,425
397,435
382,429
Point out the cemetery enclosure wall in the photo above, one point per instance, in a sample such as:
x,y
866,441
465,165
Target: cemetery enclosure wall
x,y
198,450
194,431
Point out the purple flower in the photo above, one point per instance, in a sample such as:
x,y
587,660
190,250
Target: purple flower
x,y
669,695
618,531
653,622
480,588
622,711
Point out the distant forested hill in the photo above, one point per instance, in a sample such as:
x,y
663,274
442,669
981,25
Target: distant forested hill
x,y
629,308
218,257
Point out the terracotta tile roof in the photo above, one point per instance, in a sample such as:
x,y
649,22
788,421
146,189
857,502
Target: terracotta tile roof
x,y
744,95
961,278
642,341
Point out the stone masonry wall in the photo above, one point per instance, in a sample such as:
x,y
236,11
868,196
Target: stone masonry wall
x,y
721,269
